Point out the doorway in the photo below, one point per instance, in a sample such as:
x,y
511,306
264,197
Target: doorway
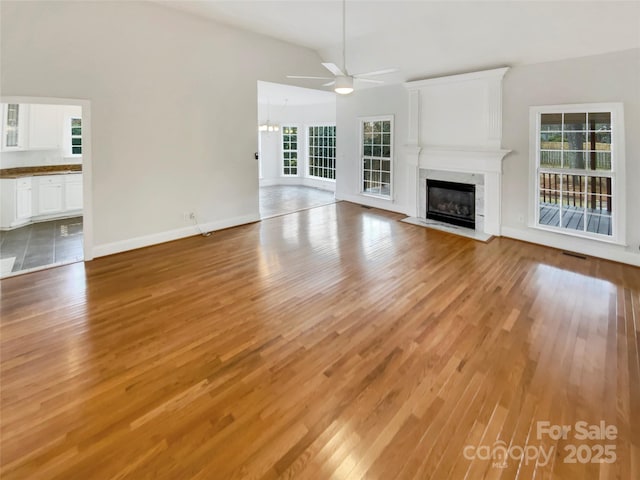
x,y
45,180
296,147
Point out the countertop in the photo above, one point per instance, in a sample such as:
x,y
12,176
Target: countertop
x,y
19,172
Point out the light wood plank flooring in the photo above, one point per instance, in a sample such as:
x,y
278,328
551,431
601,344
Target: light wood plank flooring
x,y
281,199
336,342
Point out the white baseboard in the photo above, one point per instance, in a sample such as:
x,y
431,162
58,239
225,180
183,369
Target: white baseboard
x,y
17,224
42,218
584,246
57,216
321,184
272,182
373,202
170,235
299,181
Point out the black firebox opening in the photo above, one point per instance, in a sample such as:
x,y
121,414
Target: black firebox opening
x,y
451,202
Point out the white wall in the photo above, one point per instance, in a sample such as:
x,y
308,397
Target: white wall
x,y
173,102
613,77
301,116
385,100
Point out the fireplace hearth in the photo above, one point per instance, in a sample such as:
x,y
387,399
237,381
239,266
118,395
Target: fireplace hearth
x,y
451,202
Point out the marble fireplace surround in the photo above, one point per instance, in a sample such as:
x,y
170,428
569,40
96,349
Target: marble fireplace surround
x,y
480,168
465,109
457,177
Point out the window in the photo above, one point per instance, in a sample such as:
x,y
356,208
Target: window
x,y
12,125
290,150
322,152
76,136
578,158
376,155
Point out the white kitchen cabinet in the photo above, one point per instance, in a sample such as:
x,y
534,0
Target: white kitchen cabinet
x,y
17,201
24,198
39,198
50,194
73,191
45,126
8,203
14,125
38,127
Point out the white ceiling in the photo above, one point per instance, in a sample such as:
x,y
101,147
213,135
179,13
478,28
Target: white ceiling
x,y
277,94
428,38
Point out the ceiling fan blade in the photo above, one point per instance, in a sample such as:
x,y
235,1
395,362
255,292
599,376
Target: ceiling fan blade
x,y
368,80
333,68
328,84
309,77
377,72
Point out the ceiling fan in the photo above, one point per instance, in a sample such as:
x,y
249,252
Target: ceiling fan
x,y
342,80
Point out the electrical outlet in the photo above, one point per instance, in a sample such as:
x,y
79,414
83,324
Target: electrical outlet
x,y
185,216
192,216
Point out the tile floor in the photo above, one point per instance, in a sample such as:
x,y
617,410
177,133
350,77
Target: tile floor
x,y
281,199
41,244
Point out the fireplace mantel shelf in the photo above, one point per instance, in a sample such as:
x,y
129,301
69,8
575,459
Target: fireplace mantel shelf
x,y
464,159
464,150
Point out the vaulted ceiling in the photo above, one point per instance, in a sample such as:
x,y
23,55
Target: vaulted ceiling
x,y
429,38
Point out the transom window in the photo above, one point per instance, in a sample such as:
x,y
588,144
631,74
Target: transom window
x,y
289,150
376,155
322,152
576,167
76,136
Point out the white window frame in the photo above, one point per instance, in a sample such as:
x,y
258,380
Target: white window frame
x,y
308,146
361,122
72,136
282,151
617,173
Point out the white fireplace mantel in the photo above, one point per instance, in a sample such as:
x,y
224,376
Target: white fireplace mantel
x,y
456,159
466,111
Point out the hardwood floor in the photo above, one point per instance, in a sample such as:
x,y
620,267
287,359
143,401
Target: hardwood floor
x,y
281,199
336,342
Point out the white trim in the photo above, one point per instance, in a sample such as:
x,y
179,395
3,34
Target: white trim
x,y
373,201
462,77
462,159
87,169
618,162
170,235
329,185
68,136
567,243
413,132
579,234
55,216
307,146
297,134
478,160
376,118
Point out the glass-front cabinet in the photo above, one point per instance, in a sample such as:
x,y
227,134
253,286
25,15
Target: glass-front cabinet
x,y
13,126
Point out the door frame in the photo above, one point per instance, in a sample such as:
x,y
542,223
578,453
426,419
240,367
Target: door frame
x,y
87,170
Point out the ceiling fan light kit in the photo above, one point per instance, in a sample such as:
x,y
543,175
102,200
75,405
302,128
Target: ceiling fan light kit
x,y
343,85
